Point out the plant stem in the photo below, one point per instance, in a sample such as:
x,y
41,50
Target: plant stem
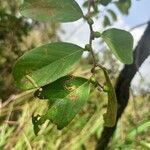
x,y
90,23
91,44
90,2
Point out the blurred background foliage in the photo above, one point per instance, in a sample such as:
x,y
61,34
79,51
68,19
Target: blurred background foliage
x,y
18,35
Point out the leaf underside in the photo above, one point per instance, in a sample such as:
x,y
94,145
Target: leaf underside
x,y
45,64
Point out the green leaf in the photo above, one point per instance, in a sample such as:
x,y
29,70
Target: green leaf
x,y
104,2
67,95
52,10
45,64
121,44
113,15
111,114
85,4
141,127
123,6
106,21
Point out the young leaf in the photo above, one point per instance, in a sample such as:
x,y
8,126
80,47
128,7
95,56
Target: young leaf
x,y
123,6
111,114
45,64
52,10
68,94
113,15
104,2
121,44
106,21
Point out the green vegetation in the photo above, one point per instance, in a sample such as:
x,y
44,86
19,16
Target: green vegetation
x,y
67,98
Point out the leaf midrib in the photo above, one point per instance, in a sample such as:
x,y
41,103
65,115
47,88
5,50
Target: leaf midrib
x,y
57,61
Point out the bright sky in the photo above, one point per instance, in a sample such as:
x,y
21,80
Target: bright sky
x,y
78,32
139,12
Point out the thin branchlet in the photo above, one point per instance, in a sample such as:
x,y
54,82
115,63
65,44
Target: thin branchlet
x,y
90,3
91,38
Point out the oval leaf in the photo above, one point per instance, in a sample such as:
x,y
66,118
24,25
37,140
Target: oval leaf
x,y
113,14
106,21
121,44
111,114
52,10
45,64
105,2
68,95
